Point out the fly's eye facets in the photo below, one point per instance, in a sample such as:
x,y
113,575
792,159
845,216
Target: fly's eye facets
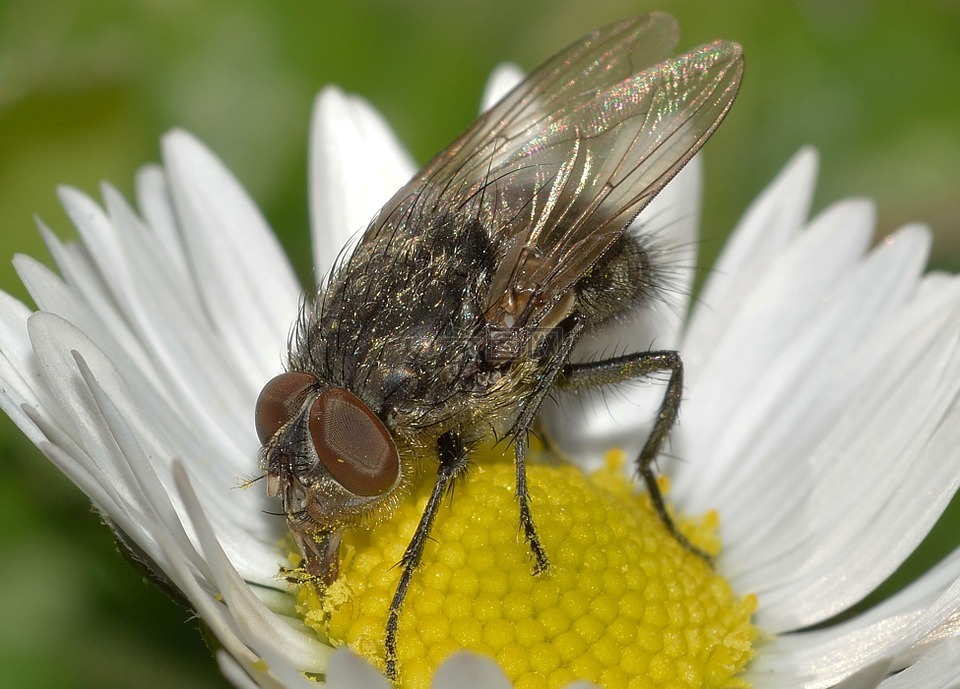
x,y
280,399
353,444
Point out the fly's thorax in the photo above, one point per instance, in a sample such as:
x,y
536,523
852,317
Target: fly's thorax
x,y
394,323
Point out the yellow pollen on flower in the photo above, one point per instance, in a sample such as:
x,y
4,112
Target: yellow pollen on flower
x,y
623,604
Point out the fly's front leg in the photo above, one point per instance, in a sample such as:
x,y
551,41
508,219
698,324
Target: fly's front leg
x,y
631,367
453,462
541,562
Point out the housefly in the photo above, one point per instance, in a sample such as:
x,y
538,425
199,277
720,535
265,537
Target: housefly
x,y
455,315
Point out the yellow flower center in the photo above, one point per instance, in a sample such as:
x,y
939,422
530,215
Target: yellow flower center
x,y
623,604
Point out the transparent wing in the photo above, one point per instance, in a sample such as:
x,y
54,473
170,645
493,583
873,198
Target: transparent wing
x,y
557,169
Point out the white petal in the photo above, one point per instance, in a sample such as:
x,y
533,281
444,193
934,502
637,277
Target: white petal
x,y
939,668
251,539
236,675
347,670
244,279
82,297
822,657
19,377
54,341
768,225
212,389
170,334
89,440
896,441
147,483
469,671
356,164
206,602
948,629
791,291
867,678
298,646
156,205
106,331
792,400
261,675
501,81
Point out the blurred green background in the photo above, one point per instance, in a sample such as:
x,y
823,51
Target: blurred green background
x,y
87,88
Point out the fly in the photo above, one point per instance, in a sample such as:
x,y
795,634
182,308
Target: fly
x,y
456,314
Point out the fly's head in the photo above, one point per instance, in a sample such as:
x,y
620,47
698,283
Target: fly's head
x,y
328,458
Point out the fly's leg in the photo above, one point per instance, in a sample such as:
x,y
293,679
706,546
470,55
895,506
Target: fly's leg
x,y
631,367
453,462
567,338
541,562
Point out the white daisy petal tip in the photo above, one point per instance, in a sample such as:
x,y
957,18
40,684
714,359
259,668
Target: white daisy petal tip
x,y
786,200
766,228
80,208
938,668
347,670
503,79
356,164
179,144
803,165
243,276
465,670
867,678
859,210
915,233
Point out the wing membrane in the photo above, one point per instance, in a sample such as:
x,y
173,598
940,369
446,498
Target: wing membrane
x,y
558,169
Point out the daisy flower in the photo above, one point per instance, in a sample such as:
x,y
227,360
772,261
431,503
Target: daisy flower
x,y
820,423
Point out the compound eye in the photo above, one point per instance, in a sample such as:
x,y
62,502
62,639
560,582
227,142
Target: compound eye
x,y
353,444
280,400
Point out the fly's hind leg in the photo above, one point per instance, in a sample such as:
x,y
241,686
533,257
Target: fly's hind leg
x,y
540,561
632,367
